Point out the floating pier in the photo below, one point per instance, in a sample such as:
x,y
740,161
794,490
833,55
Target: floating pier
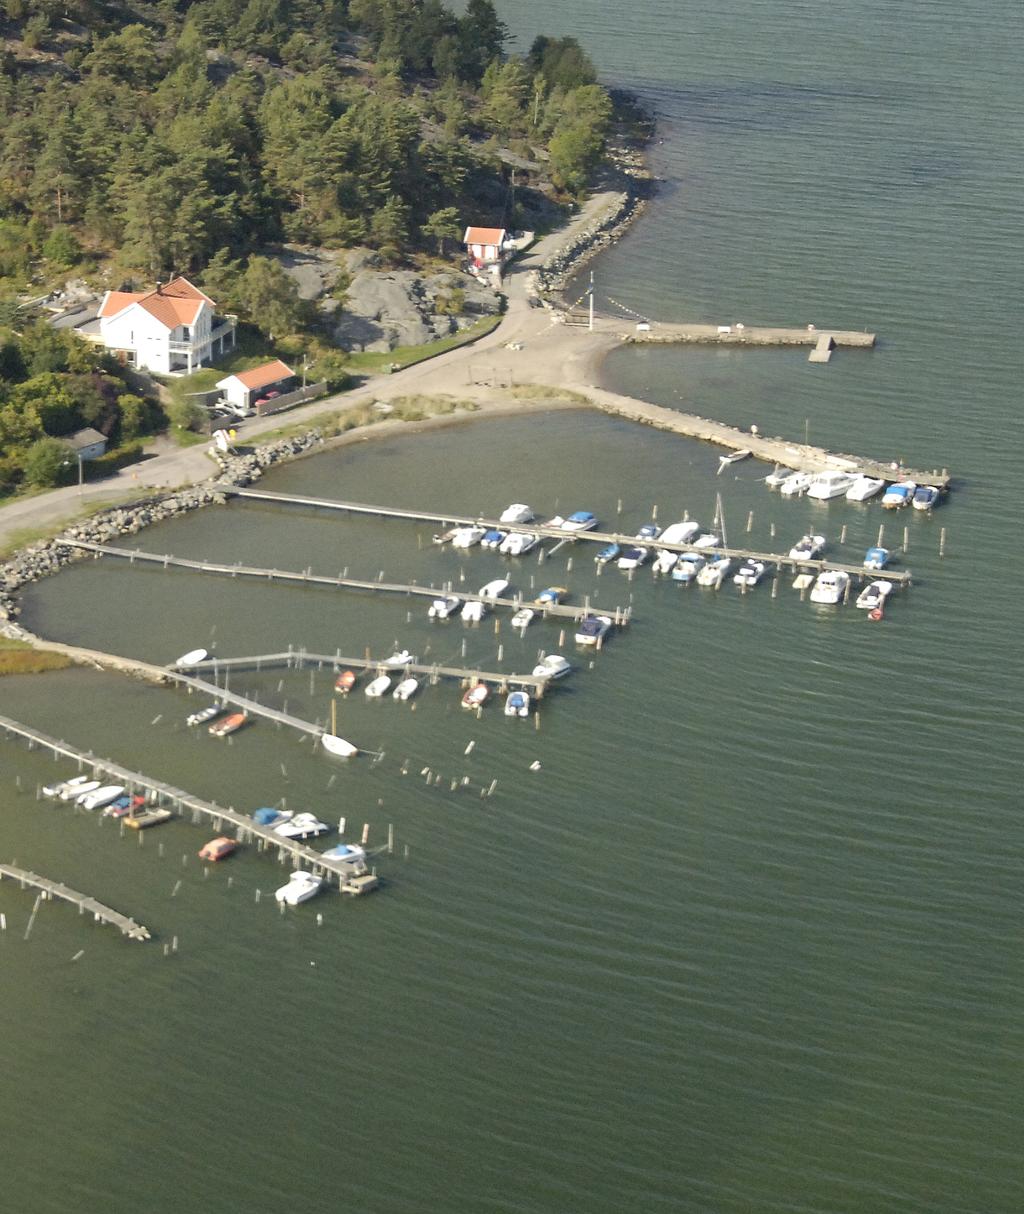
x,y
54,889
179,801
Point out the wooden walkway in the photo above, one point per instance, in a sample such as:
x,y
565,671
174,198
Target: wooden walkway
x,y
298,658
781,560
54,889
179,801
620,615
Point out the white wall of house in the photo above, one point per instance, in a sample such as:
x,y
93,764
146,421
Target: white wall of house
x,y
235,392
150,340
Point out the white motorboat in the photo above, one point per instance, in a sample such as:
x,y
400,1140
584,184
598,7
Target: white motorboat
x,y
733,457
338,746
874,595
808,549
441,609
75,790
74,785
378,686
302,826
518,543
495,589
864,487
899,495
713,573
348,853
300,888
688,566
553,666
708,539
680,533
99,796
580,520
775,478
518,512
523,617
830,586
192,658
517,704
406,689
474,611
204,714
401,657
827,485
633,557
795,484
926,497
665,561
466,537
593,629
750,573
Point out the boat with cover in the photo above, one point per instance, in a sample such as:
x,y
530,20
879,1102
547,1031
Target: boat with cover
x,y
99,796
345,682
228,725
441,609
827,485
688,566
335,745
218,849
580,520
610,552
517,704
807,549
713,573
466,537
593,629
876,558
475,696
553,666
204,714
300,888
665,561
899,495
406,689
474,611
708,539
864,487
302,826
830,587
680,533
77,788
523,617
62,786
192,658
124,807
777,475
926,497
493,539
378,686
518,512
633,557
874,595
495,589
750,573
267,816
550,595
795,484
518,543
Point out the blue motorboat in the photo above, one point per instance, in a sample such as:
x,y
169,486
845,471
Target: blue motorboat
x,y
649,531
580,520
926,497
876,558
493,539
351,853
609,553
899,495
269,817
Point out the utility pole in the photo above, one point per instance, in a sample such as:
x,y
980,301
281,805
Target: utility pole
x,y
590,325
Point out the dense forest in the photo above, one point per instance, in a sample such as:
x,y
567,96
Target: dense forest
x,y
142,139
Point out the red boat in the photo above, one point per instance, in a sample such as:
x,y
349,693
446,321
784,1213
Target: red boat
x,y
476,695
345,682
217,849
228,724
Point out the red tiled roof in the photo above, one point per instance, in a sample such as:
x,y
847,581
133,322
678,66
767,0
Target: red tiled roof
x,y
484,236
174,303
171,310
116,300
268,373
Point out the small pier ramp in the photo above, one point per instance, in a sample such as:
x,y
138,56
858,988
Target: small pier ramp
x,y
55,889
823,348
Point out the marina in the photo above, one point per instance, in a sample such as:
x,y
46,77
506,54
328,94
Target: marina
x,y
50,889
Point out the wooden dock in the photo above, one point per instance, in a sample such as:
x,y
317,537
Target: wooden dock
x,y
54,889
620,615
781,560
180,802
300,658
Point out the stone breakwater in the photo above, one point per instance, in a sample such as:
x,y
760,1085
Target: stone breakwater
x,y
50,556
552,276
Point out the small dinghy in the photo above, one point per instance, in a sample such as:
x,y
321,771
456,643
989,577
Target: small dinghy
x,y
406,689
476,695
230,724
338,746
517,704
378,686
345,682
204,715
192,658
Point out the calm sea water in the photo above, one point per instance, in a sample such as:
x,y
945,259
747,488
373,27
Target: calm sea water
x,y
749,939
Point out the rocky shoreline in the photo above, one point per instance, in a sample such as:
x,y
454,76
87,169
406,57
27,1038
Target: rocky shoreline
x,y
50,556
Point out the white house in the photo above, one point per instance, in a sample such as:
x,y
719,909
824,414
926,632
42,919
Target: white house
x,y
248,389
170,330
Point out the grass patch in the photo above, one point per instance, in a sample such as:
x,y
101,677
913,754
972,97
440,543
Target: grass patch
x,y
403,409
250,351
543,392
408,356
18,657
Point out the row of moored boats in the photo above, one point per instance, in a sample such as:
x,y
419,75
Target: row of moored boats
x,y
855,487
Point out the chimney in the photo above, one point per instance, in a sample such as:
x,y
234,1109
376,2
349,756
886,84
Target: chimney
x,y
159,288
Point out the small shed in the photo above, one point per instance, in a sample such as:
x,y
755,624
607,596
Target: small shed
x,y
246,389
87,443
484,245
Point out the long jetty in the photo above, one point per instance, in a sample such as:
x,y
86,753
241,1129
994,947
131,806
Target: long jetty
x,y
782,560
55,889
750,335
179,801
620,615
